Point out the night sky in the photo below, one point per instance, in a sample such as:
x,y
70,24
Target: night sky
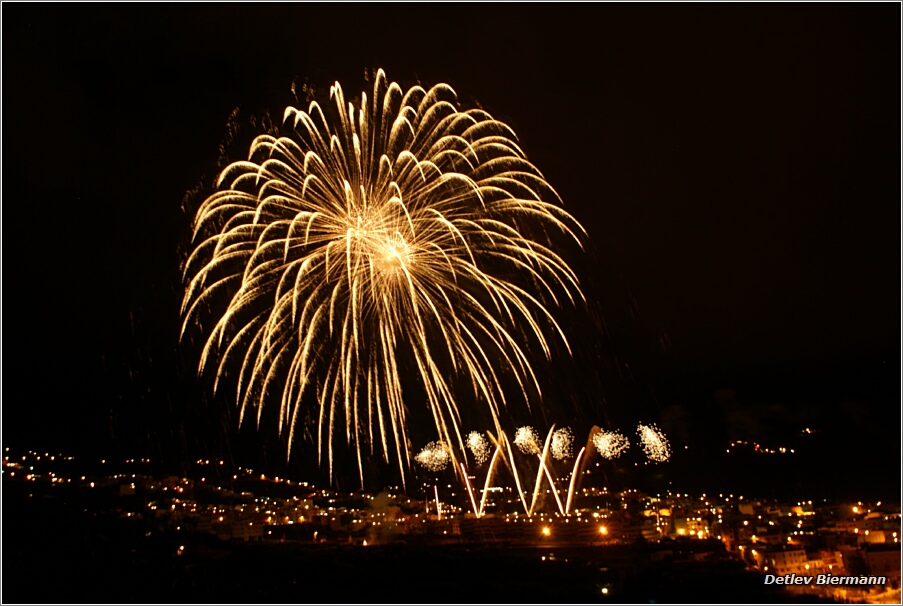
x,y
737,168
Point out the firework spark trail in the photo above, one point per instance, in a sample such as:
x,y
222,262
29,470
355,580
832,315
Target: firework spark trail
x,y
610,444
654,442
438,504
543,457
513,467
574,474
529,444
489,475
365,238
476,510
436,455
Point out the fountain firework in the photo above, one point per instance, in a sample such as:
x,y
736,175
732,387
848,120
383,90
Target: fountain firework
x,y
558,445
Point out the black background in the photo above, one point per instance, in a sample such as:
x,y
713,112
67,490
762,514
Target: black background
x,y
737,168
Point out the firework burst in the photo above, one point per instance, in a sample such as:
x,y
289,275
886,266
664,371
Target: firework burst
x,y
563,443
527,440
435,456
654,442
610,444
478,446
365,239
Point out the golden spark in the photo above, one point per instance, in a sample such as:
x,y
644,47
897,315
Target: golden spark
x,y
399,235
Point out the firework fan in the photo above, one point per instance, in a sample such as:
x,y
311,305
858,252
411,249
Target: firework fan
x,y
435,456
478,446
397,233
610,444
563,443
654,442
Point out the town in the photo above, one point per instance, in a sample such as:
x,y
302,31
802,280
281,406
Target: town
x,y
803,540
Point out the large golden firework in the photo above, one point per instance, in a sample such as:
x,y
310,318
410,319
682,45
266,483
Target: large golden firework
x,y
398,233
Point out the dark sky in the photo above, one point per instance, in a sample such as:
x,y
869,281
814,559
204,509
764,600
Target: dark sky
x,y
737,168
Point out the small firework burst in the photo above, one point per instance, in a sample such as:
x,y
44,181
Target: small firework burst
x,y
478,446
527,440
563,443
434,456
610,444
654,442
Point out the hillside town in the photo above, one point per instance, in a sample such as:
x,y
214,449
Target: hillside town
x,y
788,543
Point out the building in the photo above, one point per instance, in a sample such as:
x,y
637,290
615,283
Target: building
x,y
883,560
785,560
247,531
